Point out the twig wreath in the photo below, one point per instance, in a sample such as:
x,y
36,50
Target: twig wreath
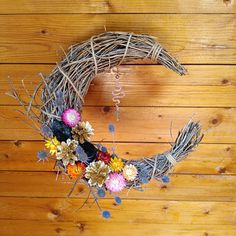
x,y
68,137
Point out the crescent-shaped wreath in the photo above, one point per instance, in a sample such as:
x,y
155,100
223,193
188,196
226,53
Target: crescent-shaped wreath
x,y
67,136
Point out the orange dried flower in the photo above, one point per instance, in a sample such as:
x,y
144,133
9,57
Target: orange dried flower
x,y
76,170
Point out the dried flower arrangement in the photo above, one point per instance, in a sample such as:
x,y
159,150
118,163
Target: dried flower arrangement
x,y
68,137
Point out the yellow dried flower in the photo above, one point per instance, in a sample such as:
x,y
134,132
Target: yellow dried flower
x,y
116,164
52,144
130,172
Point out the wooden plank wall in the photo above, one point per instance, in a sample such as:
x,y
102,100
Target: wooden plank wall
x,y
201,198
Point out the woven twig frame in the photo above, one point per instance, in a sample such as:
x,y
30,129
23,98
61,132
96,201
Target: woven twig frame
x,y
100,53
73,75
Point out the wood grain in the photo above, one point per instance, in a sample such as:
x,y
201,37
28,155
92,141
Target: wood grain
x,y
166,212
151,124
193,38
205,85
208,159
113,6
181,187
10,227
201,197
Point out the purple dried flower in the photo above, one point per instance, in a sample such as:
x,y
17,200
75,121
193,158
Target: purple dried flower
x,y
115,182
71,117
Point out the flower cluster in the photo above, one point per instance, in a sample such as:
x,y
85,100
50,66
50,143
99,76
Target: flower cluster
x,y
72,133
106,171
69,142
110,172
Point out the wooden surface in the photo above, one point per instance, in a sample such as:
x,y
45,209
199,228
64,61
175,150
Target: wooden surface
x,y
200,199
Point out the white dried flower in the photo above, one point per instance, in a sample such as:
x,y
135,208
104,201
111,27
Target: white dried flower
x,y
130,172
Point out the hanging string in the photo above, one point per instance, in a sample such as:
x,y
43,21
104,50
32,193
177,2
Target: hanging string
x,y
117,93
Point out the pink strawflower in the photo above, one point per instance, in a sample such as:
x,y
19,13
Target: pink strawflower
x,y
115,182
71,117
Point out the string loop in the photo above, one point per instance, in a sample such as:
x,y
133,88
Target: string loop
x,y
170,158
156,50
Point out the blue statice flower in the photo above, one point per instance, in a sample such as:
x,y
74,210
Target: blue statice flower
x,y
111,128
60,101
144,180
47,131
59,98
165,179
104,149
82,156
42,155
99,146
118,200
101,193
106,214
144,176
